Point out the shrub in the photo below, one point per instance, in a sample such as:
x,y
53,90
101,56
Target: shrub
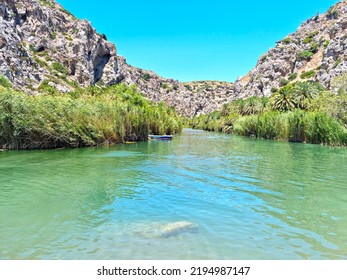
x,y
188,87
59,68
40,62
307,40
286,41
5,82
306,54
337,62
326,44
314,48
332,13
308,74
283,82
165,86
293,76
273,89
146,77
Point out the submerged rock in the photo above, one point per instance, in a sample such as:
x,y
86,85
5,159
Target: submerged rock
x,y
167,230
177,228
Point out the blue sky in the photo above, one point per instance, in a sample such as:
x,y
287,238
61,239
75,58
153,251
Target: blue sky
x,y
195,39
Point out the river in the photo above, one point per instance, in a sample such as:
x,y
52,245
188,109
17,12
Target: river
x,y
243,199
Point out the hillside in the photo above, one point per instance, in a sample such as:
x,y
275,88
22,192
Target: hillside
x,y
43,47
317,51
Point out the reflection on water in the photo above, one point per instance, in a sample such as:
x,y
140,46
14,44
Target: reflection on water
x,y
218,196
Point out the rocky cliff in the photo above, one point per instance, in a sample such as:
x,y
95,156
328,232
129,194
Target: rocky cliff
x,y
44,46
317,51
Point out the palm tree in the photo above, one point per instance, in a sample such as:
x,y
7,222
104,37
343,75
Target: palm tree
x,y
304,92
239,106
265,102
283,99
252,106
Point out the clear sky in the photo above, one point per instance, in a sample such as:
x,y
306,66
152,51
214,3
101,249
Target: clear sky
x,y
195,39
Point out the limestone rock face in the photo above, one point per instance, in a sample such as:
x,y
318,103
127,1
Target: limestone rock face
x,y
318,49
189,99
41,43
39,40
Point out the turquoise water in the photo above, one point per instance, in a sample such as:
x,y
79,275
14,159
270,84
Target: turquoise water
x,y
247,199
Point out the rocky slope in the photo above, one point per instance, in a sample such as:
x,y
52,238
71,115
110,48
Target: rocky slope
x,y
316,51
43,46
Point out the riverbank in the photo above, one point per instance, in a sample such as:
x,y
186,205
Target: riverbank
x,y
85,117
300,112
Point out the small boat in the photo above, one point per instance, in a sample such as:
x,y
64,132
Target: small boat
x,y
160,137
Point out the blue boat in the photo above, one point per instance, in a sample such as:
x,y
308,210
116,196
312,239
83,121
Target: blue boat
x,y
160,137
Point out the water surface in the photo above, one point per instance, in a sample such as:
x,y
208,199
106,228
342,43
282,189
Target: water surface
x,y
250,199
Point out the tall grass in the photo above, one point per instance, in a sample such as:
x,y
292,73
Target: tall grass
x,y
299,112
113,115
294,126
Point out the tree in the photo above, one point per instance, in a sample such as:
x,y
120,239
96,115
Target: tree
x,y
252,106
284,99
339,84
304,92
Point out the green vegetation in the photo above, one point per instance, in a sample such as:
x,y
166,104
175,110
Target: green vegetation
x,y
4,82
286,41
40,62
188,87
283,82
306,54
299,112
314,48
310,37
89,117
337,62
332,13
293,76
47,3
326,44
59,68
308,74
307,40
146,77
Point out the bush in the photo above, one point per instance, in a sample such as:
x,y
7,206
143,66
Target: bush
x,y
308,74
146,77
273,89
283,82
307,40
5,82
332,13
306,54
326,44
314,48
286,41
59,68
293,76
